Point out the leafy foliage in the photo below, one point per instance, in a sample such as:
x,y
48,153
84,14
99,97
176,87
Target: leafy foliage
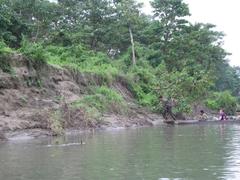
x,y
222,100
171,56
34,51
4,62
102,99
4,49
56,123
79,58
11,26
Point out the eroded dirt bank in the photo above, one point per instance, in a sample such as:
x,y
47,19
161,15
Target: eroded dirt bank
x,y
33,92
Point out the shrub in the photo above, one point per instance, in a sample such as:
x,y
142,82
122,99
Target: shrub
x,y
102,99
4,49
4,58
142,81
4,64
222,100
56,123
81,59
34,51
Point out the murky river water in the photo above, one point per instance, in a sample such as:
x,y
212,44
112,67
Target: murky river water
x,y
198,152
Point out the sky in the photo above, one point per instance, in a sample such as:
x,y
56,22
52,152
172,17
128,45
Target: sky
x,y
222,13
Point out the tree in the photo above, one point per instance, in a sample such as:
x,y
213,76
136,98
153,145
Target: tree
x,y
198,47
183,86
228,79
41,16
11,26
170,13
128,12
168,22
88,21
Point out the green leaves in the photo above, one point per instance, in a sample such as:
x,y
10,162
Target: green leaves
x,y
11,26
223,100
186,88
172,57
102,99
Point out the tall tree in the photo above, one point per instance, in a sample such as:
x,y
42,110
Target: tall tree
x,y
171,14
11,26
196,44
228,79
169,21
129,13
88,21
41,16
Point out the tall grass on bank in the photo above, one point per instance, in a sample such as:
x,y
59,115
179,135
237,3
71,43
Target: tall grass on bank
x,y
4,59
78,58
101,100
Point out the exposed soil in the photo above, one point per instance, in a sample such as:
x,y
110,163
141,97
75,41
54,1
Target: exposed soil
x,y
31,94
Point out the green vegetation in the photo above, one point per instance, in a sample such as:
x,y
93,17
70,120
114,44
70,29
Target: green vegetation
x,y
102,99
56,123
222,100
34,51
163,54
4,49
4,63
79,58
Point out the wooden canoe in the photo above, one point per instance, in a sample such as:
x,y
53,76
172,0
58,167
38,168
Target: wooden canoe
x,y
182,122
208,121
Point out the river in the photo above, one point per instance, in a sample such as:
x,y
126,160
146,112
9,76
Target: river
x,y
190,152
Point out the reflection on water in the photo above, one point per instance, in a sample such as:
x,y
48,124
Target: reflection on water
x,y
199,152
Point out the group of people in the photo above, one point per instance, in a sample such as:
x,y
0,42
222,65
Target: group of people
x,y
222,115
167,113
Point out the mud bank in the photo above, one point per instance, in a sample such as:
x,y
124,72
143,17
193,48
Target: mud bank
x,y
33,92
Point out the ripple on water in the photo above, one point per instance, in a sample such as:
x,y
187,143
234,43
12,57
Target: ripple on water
x,y
170,179
64,145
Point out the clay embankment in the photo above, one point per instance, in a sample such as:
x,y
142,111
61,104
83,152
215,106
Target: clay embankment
x,y
33,92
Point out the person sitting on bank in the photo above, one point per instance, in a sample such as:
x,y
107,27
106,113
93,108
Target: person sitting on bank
x,y
222,115
203,116
167,108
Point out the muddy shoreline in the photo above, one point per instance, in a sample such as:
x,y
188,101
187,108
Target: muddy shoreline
x,y
38,101
28,134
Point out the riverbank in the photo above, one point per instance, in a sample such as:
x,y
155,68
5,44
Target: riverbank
x,y
44,99
112,123
39,99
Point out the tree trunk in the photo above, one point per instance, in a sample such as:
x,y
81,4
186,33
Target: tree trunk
x,y
133,48
36,36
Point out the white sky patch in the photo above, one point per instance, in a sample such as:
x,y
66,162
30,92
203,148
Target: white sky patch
x,y
222,13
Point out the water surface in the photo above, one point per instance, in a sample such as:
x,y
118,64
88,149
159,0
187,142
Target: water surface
x,y
199,152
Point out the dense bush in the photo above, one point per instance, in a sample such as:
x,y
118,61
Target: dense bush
x,y
4,58
82,59
101,99
174,58
55,123
142,81
34,51
222,100
4,48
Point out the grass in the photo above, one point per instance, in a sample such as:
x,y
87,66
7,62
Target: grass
x,y
78,58
101,100
56,123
